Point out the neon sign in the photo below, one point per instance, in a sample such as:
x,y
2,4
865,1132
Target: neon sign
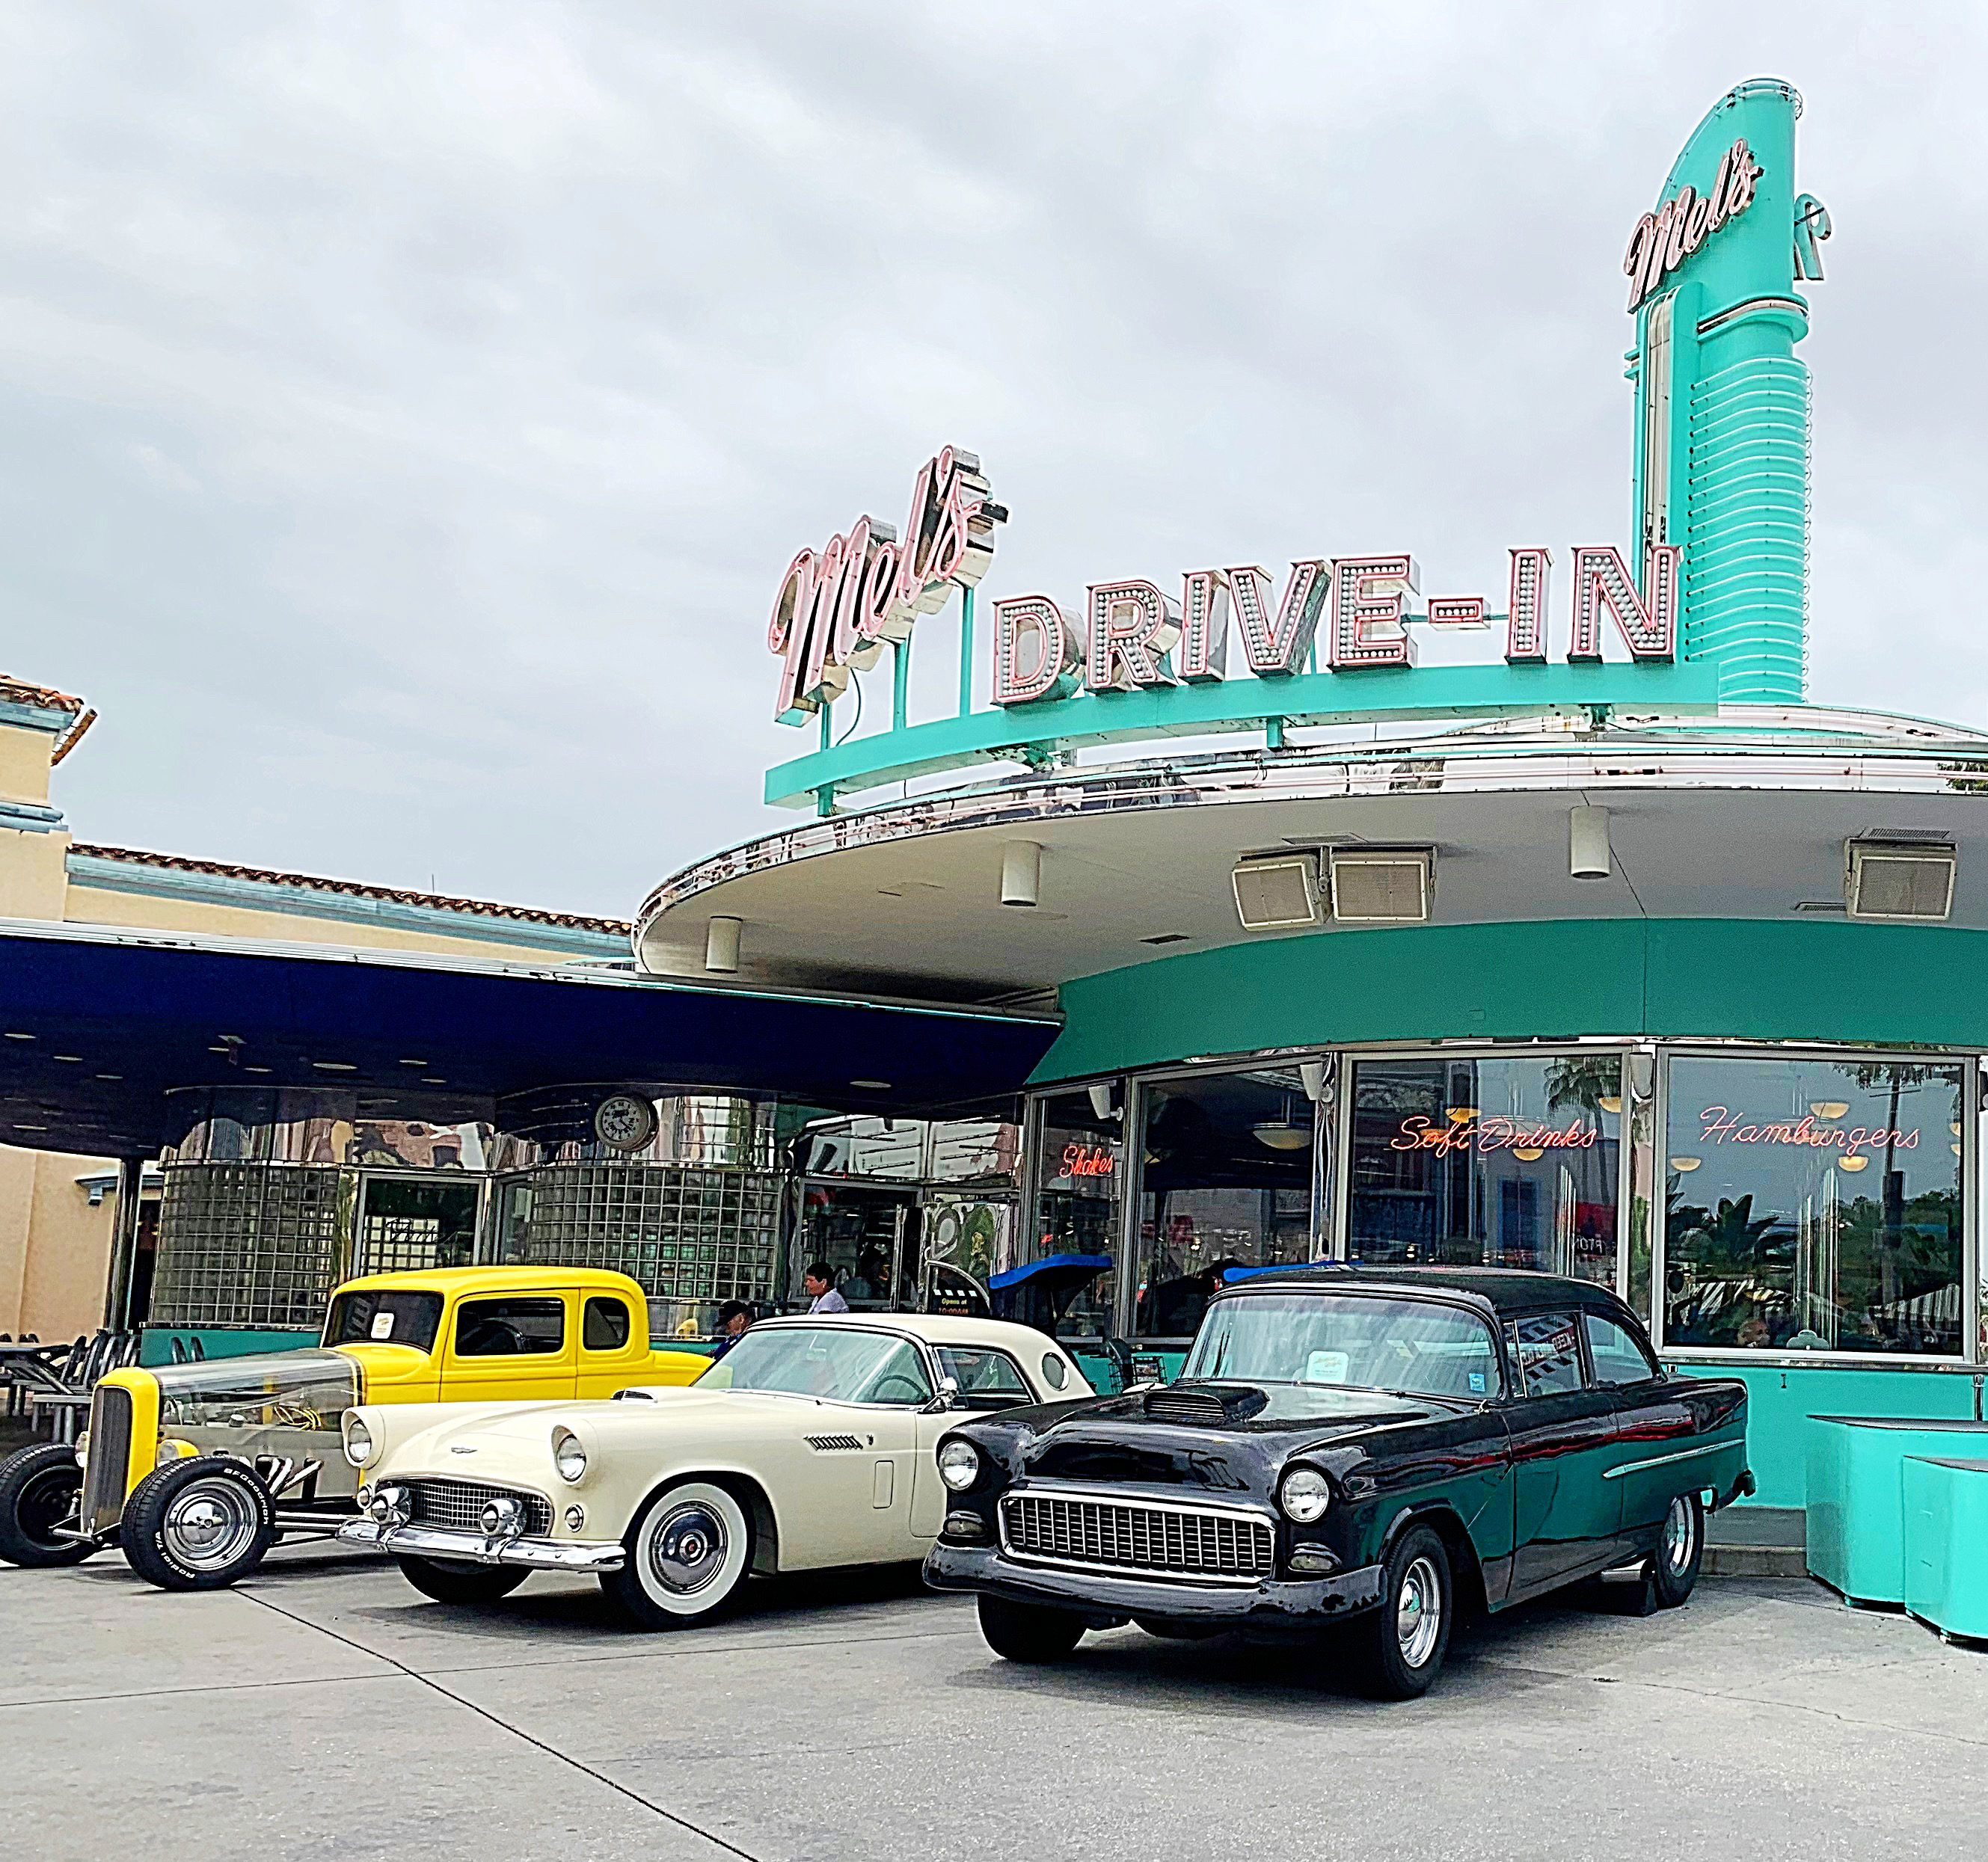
x,y
1722,1126
1466,1134
1133,636
1665,239
1087,1160
839,606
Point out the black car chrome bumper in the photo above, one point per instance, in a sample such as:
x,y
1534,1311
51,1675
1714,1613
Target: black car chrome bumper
x,y
475,1548
1274,1606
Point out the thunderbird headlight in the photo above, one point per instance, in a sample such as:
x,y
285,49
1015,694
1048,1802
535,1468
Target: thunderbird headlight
x,y
1304,1496
959,1465
569,1456
504,1518
358,1442
392,1505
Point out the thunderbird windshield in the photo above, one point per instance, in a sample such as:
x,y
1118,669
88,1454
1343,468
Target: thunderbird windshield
x,y
1416,1347
837,1363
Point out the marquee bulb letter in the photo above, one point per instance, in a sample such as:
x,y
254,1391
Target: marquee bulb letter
x,y
1601,580
1131,627
1276,649
1367,594
1203,657
1526,624
1033,650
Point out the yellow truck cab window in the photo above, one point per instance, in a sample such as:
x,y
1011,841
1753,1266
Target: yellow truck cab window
x,y
517,1327
604,1326
384,1316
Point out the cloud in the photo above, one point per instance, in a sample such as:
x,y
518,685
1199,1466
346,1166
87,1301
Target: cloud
x,y
408,411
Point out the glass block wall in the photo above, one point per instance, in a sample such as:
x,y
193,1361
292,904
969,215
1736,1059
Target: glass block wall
x,y
247,1244
691,1236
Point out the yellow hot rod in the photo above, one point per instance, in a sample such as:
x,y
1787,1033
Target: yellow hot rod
x,y
196,1470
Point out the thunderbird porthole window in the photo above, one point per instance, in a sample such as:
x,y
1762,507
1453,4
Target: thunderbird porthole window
x,y
1488,1162
1815,1204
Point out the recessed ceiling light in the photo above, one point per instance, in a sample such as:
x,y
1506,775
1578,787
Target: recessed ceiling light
x,y
428,1079
31,1127
111,1076
872,1086
257,1069
335,1067
217,1050
413,1063
13,1035
73,1059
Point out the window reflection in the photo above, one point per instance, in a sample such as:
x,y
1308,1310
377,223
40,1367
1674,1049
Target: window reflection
x,y
1813,1205
1491,1161
1077,1199
1226,1181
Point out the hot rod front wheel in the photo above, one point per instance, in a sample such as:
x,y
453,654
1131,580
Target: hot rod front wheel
x,y
688,1554
199,1524
39,1487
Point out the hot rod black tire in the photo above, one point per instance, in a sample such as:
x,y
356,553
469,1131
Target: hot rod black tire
x,y
1397,1650
39,1486
1674,1566
448,1581
199,1524
1022,1632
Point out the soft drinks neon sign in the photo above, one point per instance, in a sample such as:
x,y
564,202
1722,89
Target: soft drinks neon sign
x,y
1450,1136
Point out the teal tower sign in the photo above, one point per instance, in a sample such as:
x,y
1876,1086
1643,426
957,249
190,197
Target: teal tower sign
x,y
1722,468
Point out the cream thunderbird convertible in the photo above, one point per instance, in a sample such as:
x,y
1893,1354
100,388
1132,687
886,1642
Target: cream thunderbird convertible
x,y
809,1445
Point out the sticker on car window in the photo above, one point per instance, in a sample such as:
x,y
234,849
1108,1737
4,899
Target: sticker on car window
x,y
382,1326
1326,1366
1477,1382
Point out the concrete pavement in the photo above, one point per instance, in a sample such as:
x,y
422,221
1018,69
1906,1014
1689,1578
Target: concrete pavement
x,y
327,1710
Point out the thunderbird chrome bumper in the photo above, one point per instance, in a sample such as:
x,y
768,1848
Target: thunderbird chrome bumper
x,y
478,1548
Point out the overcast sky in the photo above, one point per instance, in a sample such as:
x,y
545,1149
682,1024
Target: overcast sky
x,y
409,410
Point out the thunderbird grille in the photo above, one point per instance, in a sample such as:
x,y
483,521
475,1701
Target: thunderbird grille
x,y
110,1457
1132,1537
459,1505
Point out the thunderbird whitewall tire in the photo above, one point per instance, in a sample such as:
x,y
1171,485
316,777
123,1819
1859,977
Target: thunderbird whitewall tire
x,y
688,1554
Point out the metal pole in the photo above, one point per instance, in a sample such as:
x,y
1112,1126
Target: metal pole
x,y
966,651
120,1283
901,680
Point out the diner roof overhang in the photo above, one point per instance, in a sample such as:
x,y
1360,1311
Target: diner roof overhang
x,y
1746,816
105,1029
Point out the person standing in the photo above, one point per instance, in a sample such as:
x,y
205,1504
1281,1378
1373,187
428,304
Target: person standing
x,y
818,1283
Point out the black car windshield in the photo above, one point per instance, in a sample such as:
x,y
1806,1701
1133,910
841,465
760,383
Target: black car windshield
x,y
1420,1348
384,1316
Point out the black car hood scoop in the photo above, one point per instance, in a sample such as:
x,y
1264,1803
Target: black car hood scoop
x,y
1207,1406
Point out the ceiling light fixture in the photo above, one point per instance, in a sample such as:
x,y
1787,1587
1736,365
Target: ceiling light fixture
x,y
1588,850
1277,893
335,1067
1280,1135
871,1086
1911,881
720,945
1381,886
1856,1161
1021,873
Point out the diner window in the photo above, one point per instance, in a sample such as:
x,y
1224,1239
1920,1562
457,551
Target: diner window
x,y
1488,1162
1226,1181
1078,1187
1814,1204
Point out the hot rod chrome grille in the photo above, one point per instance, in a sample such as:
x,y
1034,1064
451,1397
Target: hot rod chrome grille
x,y
1130,1535
110,1457
459,1505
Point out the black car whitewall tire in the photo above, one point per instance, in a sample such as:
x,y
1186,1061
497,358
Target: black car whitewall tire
x,y
199,1524
39,1488
1399,1648
1680,1552
688,1554
450,1580
1025,1632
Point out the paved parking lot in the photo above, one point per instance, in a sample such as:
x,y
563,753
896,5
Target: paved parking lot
x,y
326,1710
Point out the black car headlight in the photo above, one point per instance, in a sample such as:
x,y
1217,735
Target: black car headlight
x,y
1304,1494
959,1464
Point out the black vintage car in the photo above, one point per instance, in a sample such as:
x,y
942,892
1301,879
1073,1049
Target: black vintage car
x,y
1383,1446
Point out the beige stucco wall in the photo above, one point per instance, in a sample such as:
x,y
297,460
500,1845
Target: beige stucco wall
x,y
88,905
68,1258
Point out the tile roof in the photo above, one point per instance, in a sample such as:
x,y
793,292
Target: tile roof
x,y
520,915
19,691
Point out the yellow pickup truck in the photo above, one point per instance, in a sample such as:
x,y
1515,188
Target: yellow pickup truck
x,y
196,1470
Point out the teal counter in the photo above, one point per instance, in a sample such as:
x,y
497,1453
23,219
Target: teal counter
x,y
1946,1526
1856,1496
155,1342
1783,1402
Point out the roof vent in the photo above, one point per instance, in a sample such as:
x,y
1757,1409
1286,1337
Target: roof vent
x,y
1910,880
1277,893
1376,886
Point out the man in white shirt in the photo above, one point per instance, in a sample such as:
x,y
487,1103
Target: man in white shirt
x,y
818,1284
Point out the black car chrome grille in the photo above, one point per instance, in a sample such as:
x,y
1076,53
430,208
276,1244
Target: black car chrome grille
x,y
110,1457
1168,1541
460,1505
